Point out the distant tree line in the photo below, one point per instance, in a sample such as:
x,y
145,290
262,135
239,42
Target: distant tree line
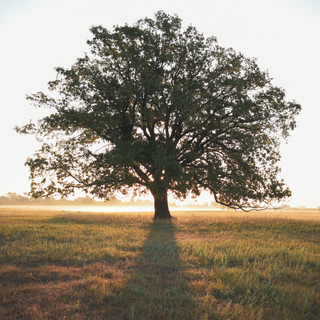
x,y
14,199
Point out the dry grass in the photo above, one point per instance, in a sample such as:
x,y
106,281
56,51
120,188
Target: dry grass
x,y
56,265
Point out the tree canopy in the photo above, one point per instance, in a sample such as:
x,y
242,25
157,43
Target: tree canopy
x,y
159,107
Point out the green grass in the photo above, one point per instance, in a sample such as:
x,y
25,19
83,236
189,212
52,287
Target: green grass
x,y
126,266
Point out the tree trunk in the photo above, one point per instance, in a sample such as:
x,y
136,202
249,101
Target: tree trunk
x,y
161,208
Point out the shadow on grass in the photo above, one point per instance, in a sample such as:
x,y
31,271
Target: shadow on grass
x,y
123,286
156,288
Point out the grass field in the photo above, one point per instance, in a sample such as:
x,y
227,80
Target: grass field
x,y
221,265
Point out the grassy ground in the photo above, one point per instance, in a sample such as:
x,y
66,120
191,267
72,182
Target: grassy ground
x,y
125,266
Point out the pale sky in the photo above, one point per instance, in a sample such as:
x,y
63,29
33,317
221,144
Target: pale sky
x,y
284,35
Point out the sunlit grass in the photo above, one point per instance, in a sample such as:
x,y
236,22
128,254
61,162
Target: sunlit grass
x,y
125,266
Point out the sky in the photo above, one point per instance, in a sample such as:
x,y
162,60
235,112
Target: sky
x,y
283,35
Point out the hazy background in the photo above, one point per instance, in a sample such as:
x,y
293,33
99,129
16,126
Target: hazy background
x,y
284,35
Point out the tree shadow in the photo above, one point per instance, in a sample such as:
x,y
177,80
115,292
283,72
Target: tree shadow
x,y
156,288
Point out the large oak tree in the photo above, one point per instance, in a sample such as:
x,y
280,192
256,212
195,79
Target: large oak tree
x,y
157,107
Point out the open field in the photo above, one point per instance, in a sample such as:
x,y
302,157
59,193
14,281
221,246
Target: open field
x,y
218,265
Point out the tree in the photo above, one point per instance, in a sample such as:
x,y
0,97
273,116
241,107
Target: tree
x,y
157,107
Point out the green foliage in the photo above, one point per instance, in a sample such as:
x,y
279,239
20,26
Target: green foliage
x,y
157,107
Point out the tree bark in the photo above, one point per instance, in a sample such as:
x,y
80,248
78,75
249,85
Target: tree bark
x,y
161,207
